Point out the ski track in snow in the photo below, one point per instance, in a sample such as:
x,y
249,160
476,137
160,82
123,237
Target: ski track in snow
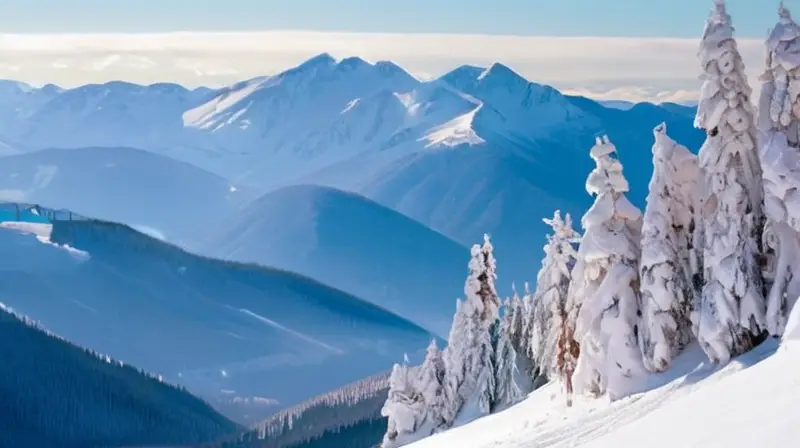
x,y
297,334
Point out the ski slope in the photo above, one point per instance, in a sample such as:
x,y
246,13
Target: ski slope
x,y
692,405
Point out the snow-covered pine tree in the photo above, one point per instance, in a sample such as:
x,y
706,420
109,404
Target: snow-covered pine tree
x,y
404,408
517,334
517,326
527,326
430,380
486,279
732,311
608,258
507,390
668,256
540,320
779,138
552,284
455,361
469,366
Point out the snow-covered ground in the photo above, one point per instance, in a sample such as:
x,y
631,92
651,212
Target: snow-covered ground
x,y
752,401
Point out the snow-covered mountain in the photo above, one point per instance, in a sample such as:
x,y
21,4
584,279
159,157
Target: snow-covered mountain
x,y
157,194
353,244
477,150
57,395
111,114
18,101
218,328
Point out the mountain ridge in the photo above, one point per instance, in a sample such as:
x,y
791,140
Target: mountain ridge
x,y
352,243
209,325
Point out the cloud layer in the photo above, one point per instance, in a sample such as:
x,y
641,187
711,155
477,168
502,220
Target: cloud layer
x,y
634,69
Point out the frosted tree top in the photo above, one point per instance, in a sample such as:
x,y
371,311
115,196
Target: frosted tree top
x,y
562,227
607,175
719,26
783,43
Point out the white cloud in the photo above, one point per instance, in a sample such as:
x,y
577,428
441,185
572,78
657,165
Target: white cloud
x,y
619,68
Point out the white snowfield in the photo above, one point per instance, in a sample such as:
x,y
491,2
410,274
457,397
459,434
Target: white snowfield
x,y
750,402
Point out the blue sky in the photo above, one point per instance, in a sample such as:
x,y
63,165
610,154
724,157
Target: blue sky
x,y
645,18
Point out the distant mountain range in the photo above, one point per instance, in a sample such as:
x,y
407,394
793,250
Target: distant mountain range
x,y
221,329
476,150
56,395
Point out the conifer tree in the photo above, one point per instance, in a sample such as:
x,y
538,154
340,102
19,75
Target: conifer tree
x,y
541,317
404,408
521,345
732,311
667,253
779,138
430,379
456,366
469,364
607,321
552,284
517,326
508,390
527,326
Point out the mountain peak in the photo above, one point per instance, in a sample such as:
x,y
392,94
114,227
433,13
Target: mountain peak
x,y
462,73
501,72
389,68
320,60
351,64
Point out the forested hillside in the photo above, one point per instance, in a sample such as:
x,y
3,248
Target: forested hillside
x,y
55,394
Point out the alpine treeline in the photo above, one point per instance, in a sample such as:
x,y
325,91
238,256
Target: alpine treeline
x,y
343,418
54,394
714,259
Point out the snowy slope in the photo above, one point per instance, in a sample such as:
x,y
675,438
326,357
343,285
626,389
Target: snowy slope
x,y
692,405
353,244
57,395
218,328
157,194
689,406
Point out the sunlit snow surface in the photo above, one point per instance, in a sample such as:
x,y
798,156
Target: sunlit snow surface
x,y
750,402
